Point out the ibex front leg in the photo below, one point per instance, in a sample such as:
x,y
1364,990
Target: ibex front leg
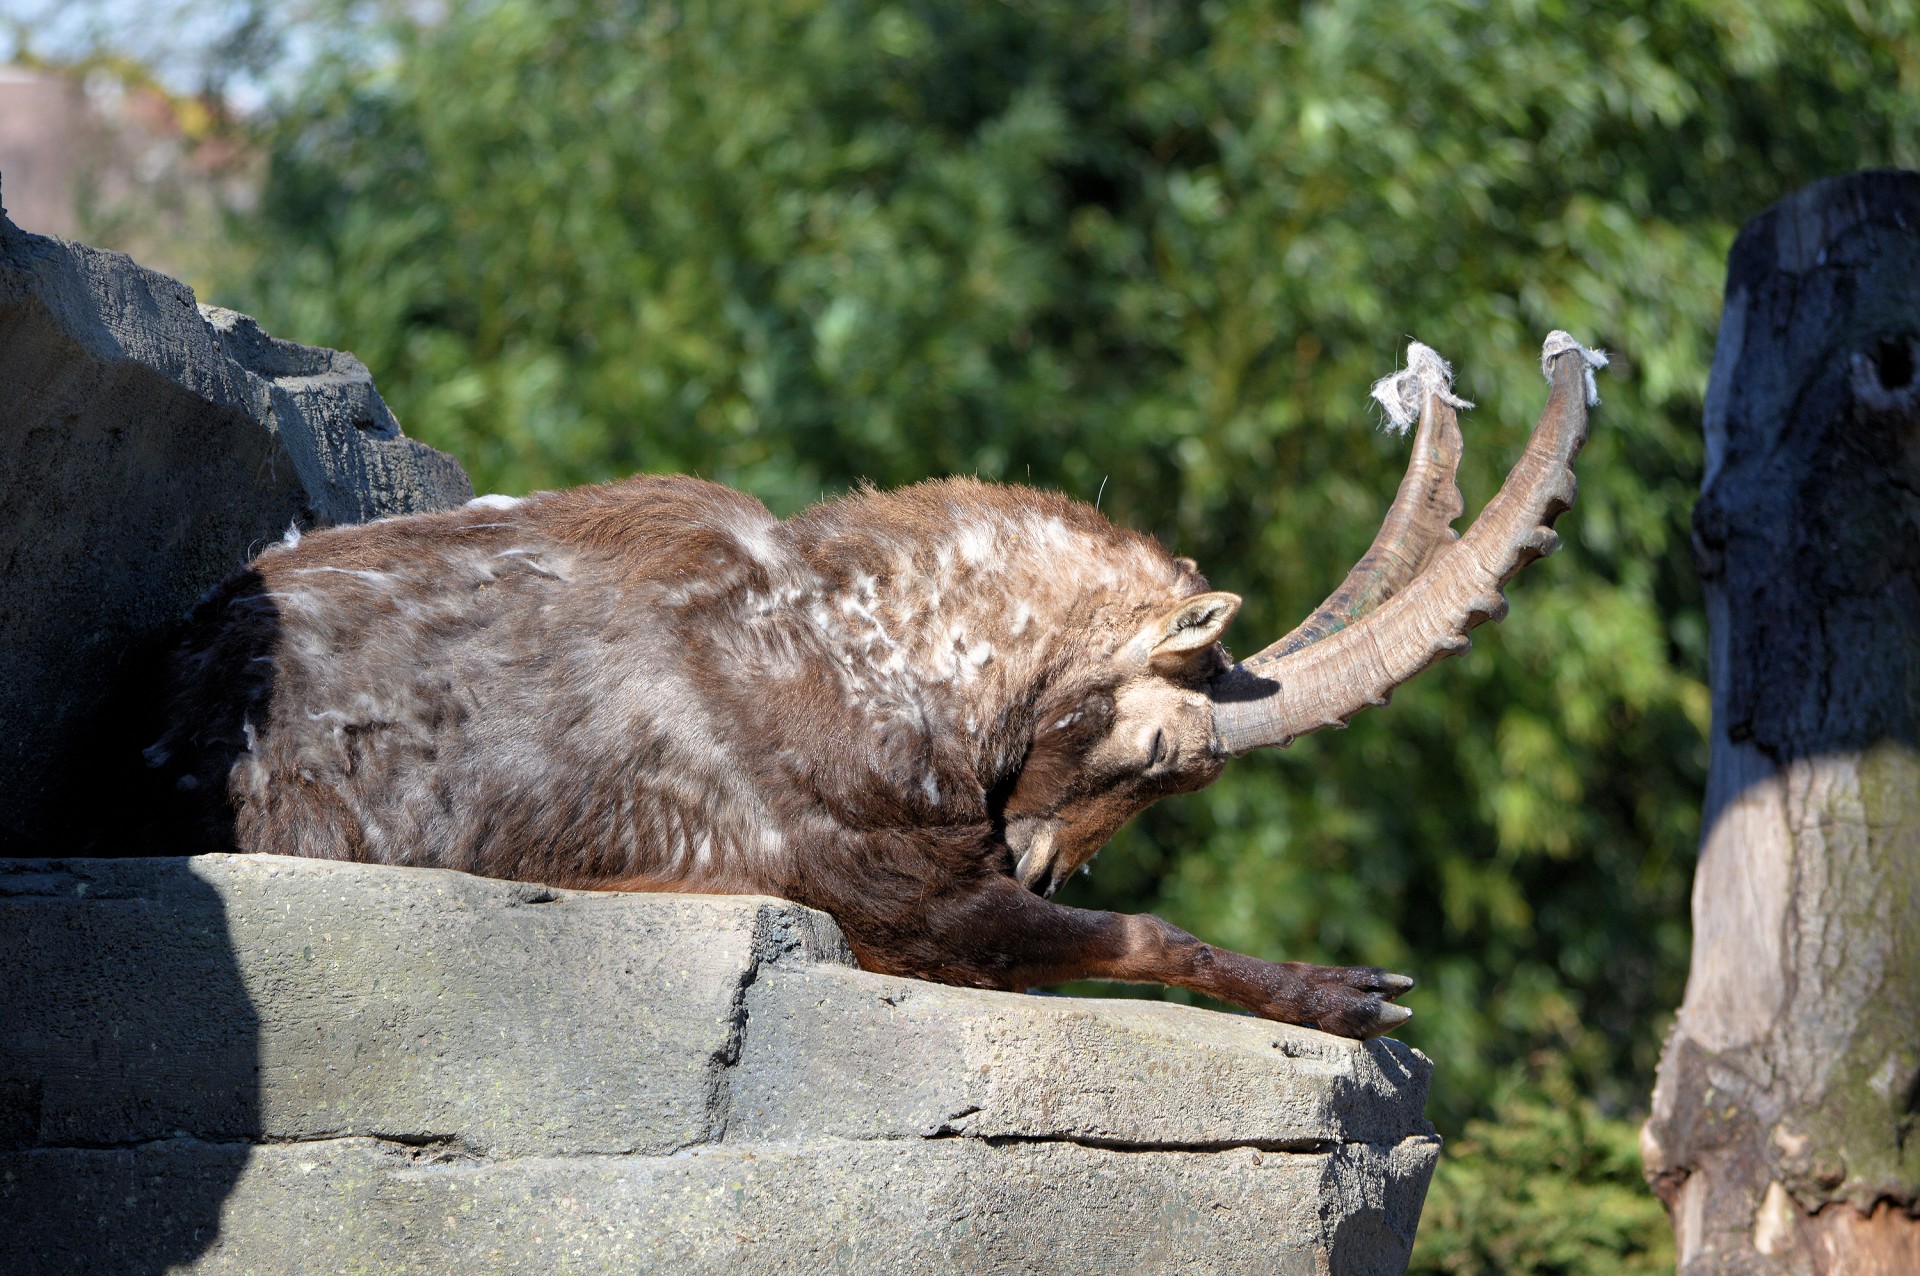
x,y
1011,938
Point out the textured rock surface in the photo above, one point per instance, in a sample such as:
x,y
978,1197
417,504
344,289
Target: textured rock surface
x,y
149,447
264,1065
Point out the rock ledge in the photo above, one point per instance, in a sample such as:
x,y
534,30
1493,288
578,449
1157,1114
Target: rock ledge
x,y
256,1064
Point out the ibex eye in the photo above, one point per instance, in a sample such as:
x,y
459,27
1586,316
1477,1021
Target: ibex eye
x,y
1159,747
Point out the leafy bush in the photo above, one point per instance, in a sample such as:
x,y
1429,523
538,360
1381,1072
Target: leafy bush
x,y
1545,1184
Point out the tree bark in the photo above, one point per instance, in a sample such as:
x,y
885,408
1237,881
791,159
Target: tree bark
x,y
1784,1135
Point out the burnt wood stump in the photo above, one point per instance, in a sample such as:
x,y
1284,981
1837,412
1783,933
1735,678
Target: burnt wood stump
x,y
1783,1135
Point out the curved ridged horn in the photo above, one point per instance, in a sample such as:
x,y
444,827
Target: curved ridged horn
x,y
1281,693
1420,523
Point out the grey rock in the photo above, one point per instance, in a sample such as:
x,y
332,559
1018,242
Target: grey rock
x,y
413,1004
149,447
256,1064
854,1055
821,1206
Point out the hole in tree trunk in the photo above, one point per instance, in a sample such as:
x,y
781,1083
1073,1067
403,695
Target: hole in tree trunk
x,y
1894,362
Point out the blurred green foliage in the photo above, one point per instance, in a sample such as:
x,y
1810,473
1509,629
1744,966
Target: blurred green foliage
x,y
1545,1184
1154,254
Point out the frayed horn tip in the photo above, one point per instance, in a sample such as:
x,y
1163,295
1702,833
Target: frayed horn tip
x,y
1404,393
1559,343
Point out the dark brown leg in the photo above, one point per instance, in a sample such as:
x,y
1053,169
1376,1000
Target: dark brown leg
x,y
1008,937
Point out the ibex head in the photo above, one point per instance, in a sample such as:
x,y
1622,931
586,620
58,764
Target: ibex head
x,y
1170,707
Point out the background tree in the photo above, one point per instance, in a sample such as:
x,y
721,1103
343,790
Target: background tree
x,y
1153,255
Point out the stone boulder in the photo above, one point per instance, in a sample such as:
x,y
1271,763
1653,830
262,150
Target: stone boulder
x,y
149,446
258,1065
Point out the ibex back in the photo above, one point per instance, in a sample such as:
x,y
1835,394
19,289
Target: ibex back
x,y
918,711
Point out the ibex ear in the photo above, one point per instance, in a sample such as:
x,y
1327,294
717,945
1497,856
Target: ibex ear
x,y
1180,636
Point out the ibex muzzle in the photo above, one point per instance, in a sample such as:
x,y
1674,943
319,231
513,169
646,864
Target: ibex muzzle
x,y
919,711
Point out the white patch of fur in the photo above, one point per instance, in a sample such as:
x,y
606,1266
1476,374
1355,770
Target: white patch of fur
x,y
539,566
977,544
493,501
781,601
755,535
370,577
877,631
1050,532
285,598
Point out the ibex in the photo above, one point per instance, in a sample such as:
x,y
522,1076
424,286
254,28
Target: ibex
x,y
919,711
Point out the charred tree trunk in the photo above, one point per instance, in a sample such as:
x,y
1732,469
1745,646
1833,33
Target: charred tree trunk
x,y
1784,1135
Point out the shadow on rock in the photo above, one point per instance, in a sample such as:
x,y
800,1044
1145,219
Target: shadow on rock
x,y
129,1060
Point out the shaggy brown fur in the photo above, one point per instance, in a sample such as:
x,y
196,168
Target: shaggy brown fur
x,y
918,711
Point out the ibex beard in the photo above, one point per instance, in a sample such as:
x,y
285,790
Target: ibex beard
x,y
919,711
